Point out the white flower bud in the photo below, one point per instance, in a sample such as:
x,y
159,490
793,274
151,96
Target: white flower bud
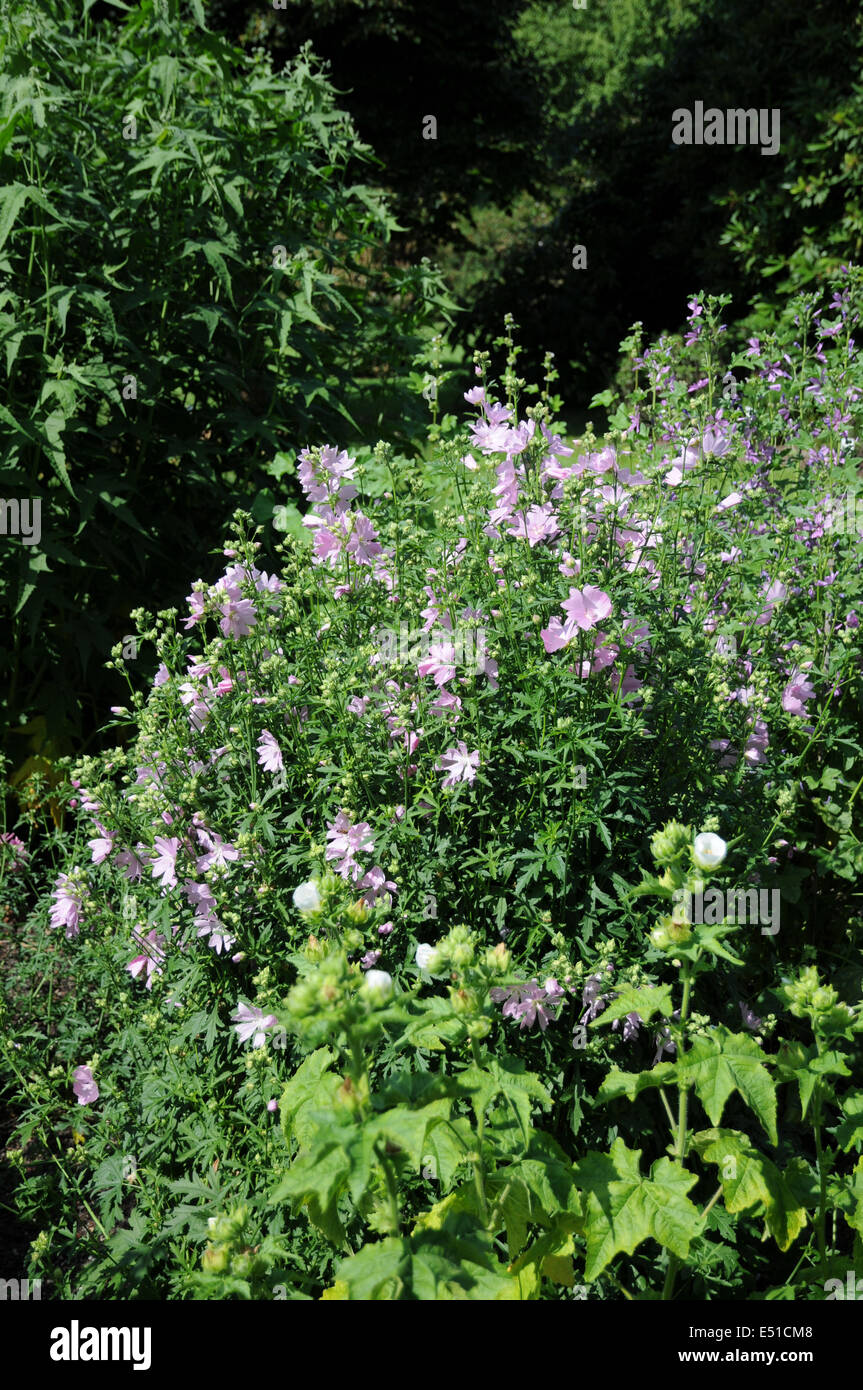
x,y
306,897
425,955
379,983
708,850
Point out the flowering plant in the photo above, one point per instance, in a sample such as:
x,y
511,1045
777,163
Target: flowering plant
x,y
355,911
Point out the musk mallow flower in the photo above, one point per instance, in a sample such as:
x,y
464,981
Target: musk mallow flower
x,y
218,853
84,1086
164,866
307,898
346,841
796,693
771,596
584,609
152,955
102,845
439,664
708,850
756,743
269,753
69,893
530,1003
377,985
17,849
239,614
131,864
425,955
374,885
458,764
538,523
251,1022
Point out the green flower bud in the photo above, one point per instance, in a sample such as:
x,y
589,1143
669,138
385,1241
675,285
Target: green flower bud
x,y
669,842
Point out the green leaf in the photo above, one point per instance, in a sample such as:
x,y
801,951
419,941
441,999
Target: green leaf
x,y
750,1179
406,1129
850,1129
312,1085
538,1189
845,1192
722,1062
653,999
378,1271
632,1083
622,1208
12,198
505,1076
316,1181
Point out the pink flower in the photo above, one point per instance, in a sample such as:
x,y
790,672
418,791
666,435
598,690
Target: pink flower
x,y
375,884
240,614
530,1003
69,894
102,845
756,743
149,961
796,693
439,664
346,841
363,544
269,753
774,594
251,1023
84,1086
218,853
196,601
163,867
458,764
538,524
219,938
630,683
17,848
129,862
730,501
584,609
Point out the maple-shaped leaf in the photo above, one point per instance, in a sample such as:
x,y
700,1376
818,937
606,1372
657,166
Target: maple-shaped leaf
x,y
850,1130
632,1083
750,1179
721,1062
622,1207
507,1077
650,1000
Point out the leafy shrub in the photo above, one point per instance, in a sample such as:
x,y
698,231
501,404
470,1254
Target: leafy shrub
x,y
372,865
191,277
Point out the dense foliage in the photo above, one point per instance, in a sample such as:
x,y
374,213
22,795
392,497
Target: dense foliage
x,y
565,139
515,817
192,277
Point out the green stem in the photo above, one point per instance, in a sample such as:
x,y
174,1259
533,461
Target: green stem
x,y
682,1111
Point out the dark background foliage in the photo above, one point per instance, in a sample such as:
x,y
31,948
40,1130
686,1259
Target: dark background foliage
x,y
193,277
554,129
154,257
